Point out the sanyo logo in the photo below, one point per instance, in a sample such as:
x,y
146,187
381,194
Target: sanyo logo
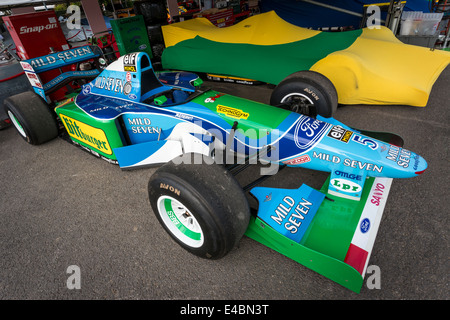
x,y
345,185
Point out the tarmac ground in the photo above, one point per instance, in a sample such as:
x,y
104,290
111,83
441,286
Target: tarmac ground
x,y
61,208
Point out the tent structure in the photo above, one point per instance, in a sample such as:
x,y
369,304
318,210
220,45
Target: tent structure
x,y
328,13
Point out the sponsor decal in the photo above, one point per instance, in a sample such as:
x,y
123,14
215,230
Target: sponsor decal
x,y
326,157
129,62
87,134
65,102
295,217
367,166
213,99
170,188
416,162
288,211
142,125
173,217
86,89
364,225
377,194
339,133
26,66
362,165
113,84
34,80
401,157
38,29
183,116
299,160
66,75
312,93
127,88
57,57
308,132
351,176
345,185
232,112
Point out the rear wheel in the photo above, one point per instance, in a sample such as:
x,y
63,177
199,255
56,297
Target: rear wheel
x,y
32,117
306,92
201,206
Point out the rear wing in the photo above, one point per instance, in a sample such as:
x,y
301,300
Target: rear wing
x,y
35,68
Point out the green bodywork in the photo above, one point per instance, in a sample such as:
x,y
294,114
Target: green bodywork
x,y
267,63
100,136
131,35
325,244
254,118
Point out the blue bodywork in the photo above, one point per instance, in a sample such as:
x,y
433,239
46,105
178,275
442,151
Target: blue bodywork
x,y
322,144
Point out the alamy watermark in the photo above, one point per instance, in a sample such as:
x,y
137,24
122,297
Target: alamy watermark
x,y
373,17
373,281
74,20
231,147
74,280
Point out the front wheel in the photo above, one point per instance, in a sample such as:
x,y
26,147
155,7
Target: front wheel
x,y
306,92
201,206
32,117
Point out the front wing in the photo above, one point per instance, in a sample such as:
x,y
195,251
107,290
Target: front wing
x,y
339,238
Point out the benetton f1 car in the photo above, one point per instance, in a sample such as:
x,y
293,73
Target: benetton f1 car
x,y
134,117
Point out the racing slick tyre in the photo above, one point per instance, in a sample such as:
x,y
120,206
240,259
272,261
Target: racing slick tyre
x,y
201,206
304,89
32,117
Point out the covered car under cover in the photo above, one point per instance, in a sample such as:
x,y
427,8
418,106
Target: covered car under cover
x,y
367,66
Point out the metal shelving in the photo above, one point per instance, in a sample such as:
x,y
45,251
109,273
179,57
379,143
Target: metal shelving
x,y
444,25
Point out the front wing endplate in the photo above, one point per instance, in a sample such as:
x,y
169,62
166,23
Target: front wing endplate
x,y
339,239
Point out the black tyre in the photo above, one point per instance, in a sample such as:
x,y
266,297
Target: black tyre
x,y
32,117
201,206
306,92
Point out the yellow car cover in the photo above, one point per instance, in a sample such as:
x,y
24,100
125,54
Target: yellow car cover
x,y
367,66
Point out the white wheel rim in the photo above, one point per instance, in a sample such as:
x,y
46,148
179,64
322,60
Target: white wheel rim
x,y
180,221
17,124
295,94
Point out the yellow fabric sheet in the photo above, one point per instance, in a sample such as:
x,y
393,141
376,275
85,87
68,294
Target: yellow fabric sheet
x,y
376,69
261,29
379,69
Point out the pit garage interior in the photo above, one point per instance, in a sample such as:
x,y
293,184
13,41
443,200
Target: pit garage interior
x,y
61,207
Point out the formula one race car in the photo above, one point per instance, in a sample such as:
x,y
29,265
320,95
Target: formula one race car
x,y
133,117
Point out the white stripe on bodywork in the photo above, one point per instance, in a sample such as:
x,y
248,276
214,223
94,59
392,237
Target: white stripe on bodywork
x,y
373,212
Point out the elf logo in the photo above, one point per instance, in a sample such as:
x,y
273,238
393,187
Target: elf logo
x,y
38,29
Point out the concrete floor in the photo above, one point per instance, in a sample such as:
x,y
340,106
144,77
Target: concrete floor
x,y
61,206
